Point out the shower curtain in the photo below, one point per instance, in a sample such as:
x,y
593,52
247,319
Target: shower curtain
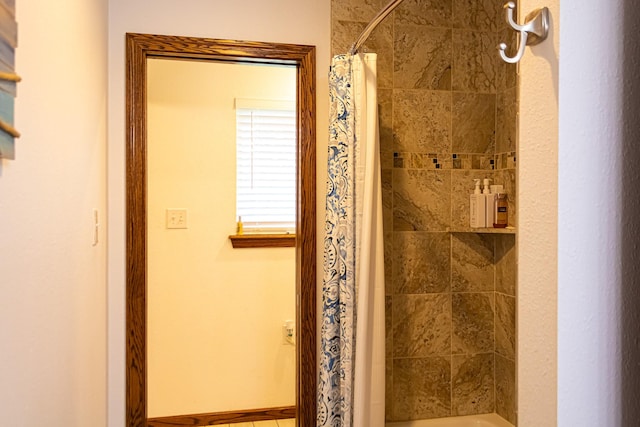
x,y
351,390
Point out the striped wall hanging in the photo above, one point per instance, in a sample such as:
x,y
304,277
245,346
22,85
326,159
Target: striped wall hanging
x,y
8,77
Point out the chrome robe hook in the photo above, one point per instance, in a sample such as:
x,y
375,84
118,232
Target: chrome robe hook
x,y
534,31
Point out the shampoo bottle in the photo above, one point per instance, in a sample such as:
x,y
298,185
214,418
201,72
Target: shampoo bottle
x,y
495,190
477,203
488,204
502,211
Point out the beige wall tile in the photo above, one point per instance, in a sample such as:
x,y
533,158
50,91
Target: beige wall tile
x,y
472,383
385,120
506,264
506,74
355,10
421,262
388,393
386,180
387,225
472,323
436,13
380,42
421,200
344,35
506,388
422,121
506,326
388,360
388,262
501,17
472,268
476,14
473,123
422,57
421,325
507,109
421,388
474,61
388,326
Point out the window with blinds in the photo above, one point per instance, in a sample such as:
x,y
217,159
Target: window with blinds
x,y
266,165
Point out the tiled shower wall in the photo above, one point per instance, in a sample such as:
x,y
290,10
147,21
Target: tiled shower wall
x,y
447,115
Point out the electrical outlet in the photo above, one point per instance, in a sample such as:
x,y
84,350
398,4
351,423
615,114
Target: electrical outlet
x,y
176,218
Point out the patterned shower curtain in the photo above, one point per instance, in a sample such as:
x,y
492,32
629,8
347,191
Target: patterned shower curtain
x,y
352,365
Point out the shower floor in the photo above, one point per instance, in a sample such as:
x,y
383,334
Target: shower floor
x,y
485,420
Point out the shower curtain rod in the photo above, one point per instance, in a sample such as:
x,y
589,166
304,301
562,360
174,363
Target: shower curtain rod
x,y
364,35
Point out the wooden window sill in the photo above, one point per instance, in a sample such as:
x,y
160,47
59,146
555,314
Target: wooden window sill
x,y
263,240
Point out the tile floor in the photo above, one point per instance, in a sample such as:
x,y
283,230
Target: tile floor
x,y
271,423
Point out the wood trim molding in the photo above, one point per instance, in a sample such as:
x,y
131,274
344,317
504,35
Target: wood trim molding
x,y
263,240
139,47
231,417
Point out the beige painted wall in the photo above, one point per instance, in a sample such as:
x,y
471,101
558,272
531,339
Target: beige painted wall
x,y
598,257
53,312
215,313
537,238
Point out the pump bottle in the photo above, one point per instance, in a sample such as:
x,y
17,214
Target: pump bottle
x,y
488,204
477,204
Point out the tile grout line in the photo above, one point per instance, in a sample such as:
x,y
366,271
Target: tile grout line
x,y
391,399
495,391
451,322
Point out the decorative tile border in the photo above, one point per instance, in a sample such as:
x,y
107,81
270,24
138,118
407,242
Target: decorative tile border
x,y
506,160
463,161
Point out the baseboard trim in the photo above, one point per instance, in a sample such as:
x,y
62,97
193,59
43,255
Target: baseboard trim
x,y
230,417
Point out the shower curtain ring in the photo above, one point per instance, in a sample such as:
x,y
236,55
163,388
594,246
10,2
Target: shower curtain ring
x,y
534,30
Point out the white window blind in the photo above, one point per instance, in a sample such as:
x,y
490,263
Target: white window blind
x,y
266,165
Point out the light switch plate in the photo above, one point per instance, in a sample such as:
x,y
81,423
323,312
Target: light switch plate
x,y
176,218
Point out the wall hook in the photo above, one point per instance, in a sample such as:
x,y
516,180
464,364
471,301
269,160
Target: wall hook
x,y
534,31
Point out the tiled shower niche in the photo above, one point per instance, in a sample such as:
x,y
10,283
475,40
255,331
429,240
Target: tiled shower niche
x,y
447,111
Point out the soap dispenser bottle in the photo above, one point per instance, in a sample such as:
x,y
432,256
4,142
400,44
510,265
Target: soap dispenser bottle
x,y
496,191
488,204
477,204
502,211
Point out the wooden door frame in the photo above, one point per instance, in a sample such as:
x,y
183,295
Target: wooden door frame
x,y
140,47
